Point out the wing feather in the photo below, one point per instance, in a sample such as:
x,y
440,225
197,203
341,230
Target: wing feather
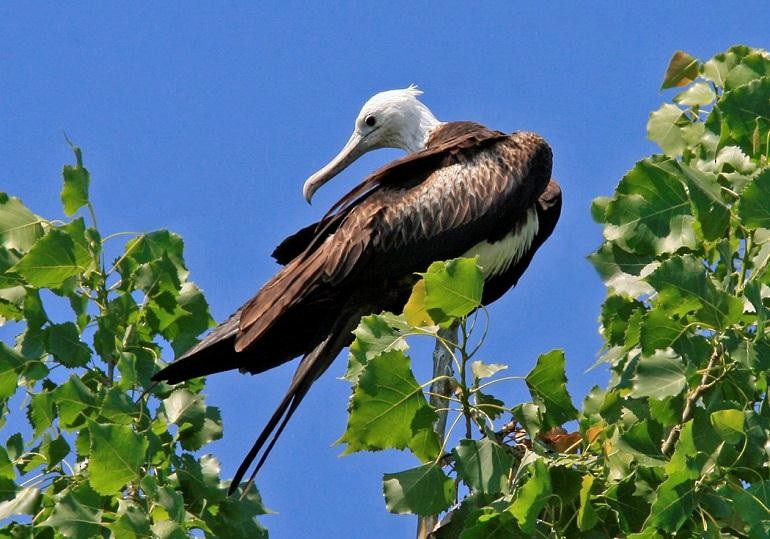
x,y
404,221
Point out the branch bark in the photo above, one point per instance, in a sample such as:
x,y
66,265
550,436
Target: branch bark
x,y
439,399
689,406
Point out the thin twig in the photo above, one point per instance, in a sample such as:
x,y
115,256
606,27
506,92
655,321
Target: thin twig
x,y
689,406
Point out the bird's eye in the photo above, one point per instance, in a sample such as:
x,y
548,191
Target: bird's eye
x,y
370,120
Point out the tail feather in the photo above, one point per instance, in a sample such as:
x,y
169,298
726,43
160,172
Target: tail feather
x,y
286,289
310,368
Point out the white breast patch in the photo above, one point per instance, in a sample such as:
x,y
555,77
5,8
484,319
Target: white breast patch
x,y
495,258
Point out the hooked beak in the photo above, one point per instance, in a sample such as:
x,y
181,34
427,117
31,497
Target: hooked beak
x,y
354,148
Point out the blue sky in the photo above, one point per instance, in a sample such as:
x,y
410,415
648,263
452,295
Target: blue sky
x,y
206,118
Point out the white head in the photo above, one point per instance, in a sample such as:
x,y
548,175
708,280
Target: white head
x,y
391,119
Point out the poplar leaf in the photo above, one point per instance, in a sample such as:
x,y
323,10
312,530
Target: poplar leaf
x,y
483,465
425,490
452,289
388,410
74,194
117,452
547,383
19,227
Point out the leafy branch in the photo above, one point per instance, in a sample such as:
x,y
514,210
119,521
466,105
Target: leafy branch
x,y
97,461
676,443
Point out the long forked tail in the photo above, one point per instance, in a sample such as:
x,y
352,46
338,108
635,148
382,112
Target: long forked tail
x,y
311,367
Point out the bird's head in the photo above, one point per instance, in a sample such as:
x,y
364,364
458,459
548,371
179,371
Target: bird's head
x,y
391,119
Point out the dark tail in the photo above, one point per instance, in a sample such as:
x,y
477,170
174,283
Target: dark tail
x,y
310,368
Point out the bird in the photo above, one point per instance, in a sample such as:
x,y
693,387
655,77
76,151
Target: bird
x,y
461,190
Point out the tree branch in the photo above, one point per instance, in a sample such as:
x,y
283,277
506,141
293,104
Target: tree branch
x,y
439,397
689,406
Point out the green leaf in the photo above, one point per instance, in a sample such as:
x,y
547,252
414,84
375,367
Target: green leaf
x,y
53,259
659,331
754,204
627,504
489,405
117,452
649,533
643,441
76,514
193,320
683,286
25,502
55,451
193,439
118,407
623,272
454,522
157,278
165,497
131,523
682,70
617,311
753,502
198,481
148,248
127,368
548,386
667,411
674,502
529,416
650,213
10,366
665,128
65,345
375,334
424,490
587,517
710,209
19,227
73,401
659,376
388,409
532,497
737,66
599,209
184,408
168,530
490,524
74,193
235,517
41,412
729,424
452,289
483,465
11,300
746,115
697,95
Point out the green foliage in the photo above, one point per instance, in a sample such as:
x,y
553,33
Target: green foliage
x,y
388,409
107,453
676,444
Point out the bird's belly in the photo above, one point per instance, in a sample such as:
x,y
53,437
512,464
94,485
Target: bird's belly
x,y
495,258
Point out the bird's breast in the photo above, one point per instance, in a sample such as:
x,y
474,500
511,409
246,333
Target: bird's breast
x,y
496,257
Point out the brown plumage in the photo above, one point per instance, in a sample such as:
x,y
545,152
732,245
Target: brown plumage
x,y
468,186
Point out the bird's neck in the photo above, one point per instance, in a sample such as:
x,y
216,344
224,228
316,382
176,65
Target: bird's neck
x,y
417,139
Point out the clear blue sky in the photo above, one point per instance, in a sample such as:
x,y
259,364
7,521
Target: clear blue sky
x,y
206,118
